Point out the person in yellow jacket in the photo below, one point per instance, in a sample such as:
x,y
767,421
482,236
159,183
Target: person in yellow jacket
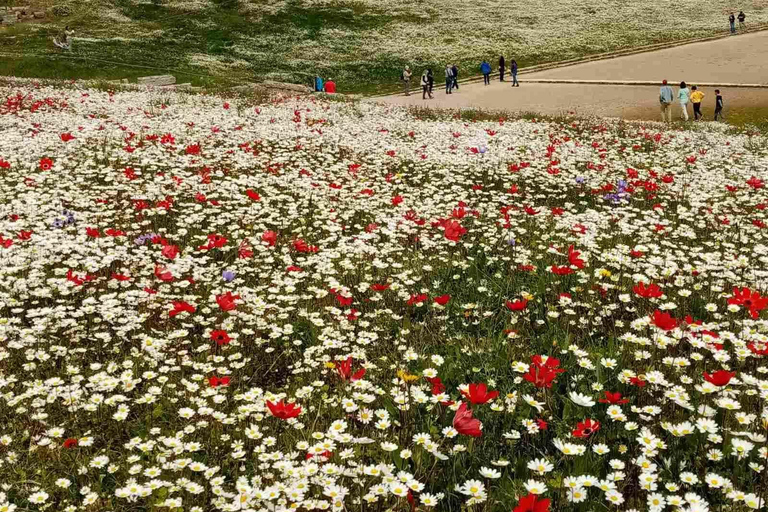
x,y
696,97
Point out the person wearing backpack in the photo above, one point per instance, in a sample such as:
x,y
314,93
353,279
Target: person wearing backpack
x,y
501,68
406,78
485,69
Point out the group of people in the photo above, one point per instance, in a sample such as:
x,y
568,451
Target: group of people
x,y
452,77
732,21
685,96
329,86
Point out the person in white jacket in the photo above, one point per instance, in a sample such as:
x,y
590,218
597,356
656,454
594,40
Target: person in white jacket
x,y
425,85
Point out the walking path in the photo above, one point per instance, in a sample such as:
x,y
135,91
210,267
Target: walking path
x,y
722,62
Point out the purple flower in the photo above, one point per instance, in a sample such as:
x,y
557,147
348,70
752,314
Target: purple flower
x,y
511,242
580,180
228,275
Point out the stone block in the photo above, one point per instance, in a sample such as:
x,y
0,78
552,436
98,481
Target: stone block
x,y
39,15
157,80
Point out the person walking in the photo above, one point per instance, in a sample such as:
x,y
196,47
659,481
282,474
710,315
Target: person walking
x,y
455,71
431,80
406,78
718,105
513,72
425,85
696,97
742,17
732,22
501,68
666,98
448,79
485,69
683,96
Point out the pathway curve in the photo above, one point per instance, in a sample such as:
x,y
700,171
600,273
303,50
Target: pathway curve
x,y
738,59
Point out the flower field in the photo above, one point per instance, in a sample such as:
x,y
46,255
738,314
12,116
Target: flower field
x,y
308,305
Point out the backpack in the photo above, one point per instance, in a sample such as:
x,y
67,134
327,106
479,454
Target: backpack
x,y
402,76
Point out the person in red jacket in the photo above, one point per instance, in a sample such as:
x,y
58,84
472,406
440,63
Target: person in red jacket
x,y
330,86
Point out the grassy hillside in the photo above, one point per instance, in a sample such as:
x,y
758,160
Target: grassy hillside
x,y
361,43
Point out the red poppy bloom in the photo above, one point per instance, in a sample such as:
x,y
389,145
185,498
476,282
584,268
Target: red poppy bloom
x,y
663,321
226,301
586,428
437,385
613,398
561,271
70,443
253,195
220,337
170,251
442,300
531,503
518,305
181,307
344,369
454,231
465,424
46,164
415,299
652,291
543,373
282,410
478,394
574,259
215,382
752,300
719,378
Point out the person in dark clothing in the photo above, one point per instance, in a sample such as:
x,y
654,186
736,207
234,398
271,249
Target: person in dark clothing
x,y
425,85
718,105
501,68
431,80
732,22
455,70
742,17
513,72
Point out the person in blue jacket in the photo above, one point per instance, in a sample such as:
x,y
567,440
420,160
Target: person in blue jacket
x,y
318,84
485,68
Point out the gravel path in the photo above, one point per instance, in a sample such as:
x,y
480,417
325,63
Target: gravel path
x,y
739,59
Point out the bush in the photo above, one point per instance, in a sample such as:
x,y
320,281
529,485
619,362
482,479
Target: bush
x,y
61,11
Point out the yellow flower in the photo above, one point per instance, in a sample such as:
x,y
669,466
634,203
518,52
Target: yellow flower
x,y
605,272
330,365
407,377
527,296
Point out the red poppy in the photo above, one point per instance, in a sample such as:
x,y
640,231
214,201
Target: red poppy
x,y
531,503
478,394
542,373
344,369
442,299
652,291
719,378
46,164
574,259
561,271
215,382
586,428
170,251
344,301
465,424
181,307
543,425
663,321
253,195
226,301
637,381
163,274
518,305
282,410
437,385
220,337
114,232
70,443
752,300
301,246
613,398
454,231
415,299
397,200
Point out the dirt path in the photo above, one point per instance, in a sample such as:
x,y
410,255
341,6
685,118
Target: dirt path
x,y
739,59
